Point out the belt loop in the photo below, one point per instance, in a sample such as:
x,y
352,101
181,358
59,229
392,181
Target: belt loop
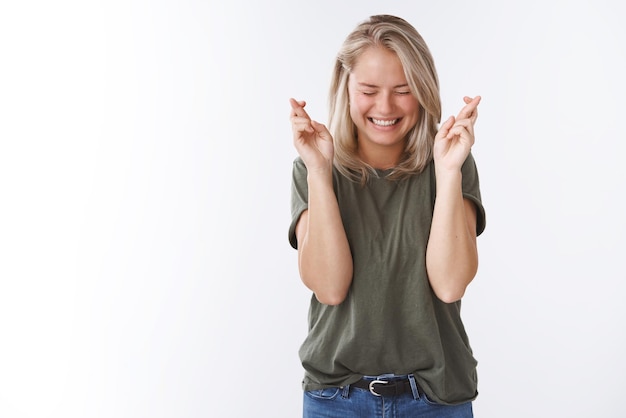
x,y
416,394
345,393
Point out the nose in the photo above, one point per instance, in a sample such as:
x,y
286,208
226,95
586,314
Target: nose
x,y
385,103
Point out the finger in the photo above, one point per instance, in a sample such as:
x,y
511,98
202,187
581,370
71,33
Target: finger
x,y
321,129
462,133
297,108
470,110
297,103
300,124
445,127
465,123
457,130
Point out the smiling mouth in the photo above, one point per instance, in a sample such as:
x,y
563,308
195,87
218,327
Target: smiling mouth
x,y
380,122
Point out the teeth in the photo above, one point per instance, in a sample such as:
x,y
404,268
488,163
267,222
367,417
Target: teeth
x,y
384,122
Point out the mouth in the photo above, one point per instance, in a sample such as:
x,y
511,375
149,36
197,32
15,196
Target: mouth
x,y
382,122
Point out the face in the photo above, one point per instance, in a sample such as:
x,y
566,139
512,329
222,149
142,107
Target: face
x,y
381,104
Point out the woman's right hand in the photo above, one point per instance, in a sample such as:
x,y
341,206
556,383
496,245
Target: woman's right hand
x,y
312,140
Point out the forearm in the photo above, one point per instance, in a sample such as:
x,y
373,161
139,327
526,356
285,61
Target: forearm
x,y
451,254
324,256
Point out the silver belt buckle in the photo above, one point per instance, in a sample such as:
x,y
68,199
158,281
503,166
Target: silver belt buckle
x,y
373,382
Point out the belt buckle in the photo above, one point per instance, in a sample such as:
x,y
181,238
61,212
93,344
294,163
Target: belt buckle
x,y
373,382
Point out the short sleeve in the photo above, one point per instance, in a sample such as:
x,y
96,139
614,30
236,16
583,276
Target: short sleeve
x,y
471,191
299,197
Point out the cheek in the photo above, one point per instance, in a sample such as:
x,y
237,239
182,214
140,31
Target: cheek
x,y
354,112
358,107
412,108
415,105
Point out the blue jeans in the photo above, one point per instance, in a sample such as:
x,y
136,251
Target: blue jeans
x,y
352,402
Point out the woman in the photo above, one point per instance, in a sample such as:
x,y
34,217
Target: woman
x,y
385,215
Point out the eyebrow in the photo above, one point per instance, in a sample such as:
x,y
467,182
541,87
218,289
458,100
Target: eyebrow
x,y
374,86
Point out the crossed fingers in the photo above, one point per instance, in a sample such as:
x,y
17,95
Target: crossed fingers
x,y
470,110
300,119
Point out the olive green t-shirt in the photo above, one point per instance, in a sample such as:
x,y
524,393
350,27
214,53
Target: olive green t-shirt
x,y
391,321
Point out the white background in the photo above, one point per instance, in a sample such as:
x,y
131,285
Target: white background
x,y
145,164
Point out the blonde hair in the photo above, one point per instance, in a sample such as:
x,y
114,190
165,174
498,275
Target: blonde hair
x,y
402,38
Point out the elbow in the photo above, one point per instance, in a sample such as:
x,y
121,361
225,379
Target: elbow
x,y
330,288
449,284
449,295
453,288
333,293
331,298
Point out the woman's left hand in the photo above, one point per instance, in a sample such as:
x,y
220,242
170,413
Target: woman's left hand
x,y
455,138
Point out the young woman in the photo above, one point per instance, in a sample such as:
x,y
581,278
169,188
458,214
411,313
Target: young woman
x,y
386,209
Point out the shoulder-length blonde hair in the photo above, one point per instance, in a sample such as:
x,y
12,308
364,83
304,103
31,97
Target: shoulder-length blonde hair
x,y
398,36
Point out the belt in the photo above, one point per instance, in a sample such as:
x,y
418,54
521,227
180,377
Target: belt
x,y
385,387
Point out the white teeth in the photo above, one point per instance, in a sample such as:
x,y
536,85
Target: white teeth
x,y
385,122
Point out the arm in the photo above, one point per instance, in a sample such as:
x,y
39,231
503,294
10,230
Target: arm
x,y
451,253
324,257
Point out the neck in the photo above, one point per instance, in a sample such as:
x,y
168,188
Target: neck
x,y
381,157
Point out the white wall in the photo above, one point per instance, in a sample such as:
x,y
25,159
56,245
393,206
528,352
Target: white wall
x,y
145,162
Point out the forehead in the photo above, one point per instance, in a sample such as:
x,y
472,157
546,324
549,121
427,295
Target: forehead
x,y
378,65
